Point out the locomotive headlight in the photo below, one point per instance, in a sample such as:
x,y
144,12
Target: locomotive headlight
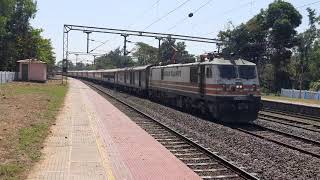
x,y
254,87
239,86
224,87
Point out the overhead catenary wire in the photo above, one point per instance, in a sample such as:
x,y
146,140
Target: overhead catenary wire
x,y
308,4
185,18
144,12
167,14
232,10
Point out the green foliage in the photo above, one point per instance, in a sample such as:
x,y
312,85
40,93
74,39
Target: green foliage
x,y
248,40
10,171
145,54
170,52
308,57
315,86
114,59
6,10
314,61
18,40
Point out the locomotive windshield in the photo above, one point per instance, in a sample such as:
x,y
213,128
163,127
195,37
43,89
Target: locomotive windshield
x,y
247,72
243,72
227,71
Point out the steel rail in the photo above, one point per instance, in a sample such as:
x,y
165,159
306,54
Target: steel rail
x,y
306,140
292,114
290,122
242,173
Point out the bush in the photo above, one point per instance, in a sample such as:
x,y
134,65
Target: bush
x,y
315,86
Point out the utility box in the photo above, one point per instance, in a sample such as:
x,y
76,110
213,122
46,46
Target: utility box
x,y
32,70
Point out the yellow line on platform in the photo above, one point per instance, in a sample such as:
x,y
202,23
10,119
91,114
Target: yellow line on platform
x,y
101,147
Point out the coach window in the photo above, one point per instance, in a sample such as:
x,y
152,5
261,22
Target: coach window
x,y
209,72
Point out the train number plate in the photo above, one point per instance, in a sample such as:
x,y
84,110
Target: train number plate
x,y
243,106
239,98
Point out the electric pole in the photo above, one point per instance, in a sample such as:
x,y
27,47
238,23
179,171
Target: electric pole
x,y
125,44
159,50
88,39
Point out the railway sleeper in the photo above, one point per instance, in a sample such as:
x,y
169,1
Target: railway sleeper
x,y
232,176
172,142
226,172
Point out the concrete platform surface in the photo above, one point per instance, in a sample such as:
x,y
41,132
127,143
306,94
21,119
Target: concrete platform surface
x,y
94,140
294,102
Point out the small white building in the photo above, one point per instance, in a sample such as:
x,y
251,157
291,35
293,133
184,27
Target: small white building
x,y
32,70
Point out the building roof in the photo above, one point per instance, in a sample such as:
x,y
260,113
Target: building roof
x,y
33,61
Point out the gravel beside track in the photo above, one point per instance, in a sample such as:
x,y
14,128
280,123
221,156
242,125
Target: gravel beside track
x,y
268,160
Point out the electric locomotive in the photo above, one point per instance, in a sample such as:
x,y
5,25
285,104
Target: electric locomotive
x,y
228,90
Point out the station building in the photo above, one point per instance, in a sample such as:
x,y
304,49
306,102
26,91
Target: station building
x,y
32,70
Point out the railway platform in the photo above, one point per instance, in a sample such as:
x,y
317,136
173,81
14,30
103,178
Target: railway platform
x,y
293,102
92,139
292,107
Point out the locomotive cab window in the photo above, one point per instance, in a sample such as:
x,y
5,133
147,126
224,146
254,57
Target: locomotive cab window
x,y
247,72
209,72
227,71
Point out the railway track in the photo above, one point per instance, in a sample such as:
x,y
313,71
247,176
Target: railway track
x,y
296,115
204,162
286,119
298,143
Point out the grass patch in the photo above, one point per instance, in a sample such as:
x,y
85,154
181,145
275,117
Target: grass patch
x,y
31,138
31,109
9,171
307,101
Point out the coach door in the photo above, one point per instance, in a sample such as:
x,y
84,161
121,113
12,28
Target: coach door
x,y
202,79
139,78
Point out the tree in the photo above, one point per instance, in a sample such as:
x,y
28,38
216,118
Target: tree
x,y
6,10
167,50
146,54
18,40
281,19
171,52
114,59
183,55
247,41
305,47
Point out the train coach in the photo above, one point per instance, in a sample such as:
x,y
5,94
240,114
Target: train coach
x,y
227,90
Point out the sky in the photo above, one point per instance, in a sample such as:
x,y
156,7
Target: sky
x,y
210,16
